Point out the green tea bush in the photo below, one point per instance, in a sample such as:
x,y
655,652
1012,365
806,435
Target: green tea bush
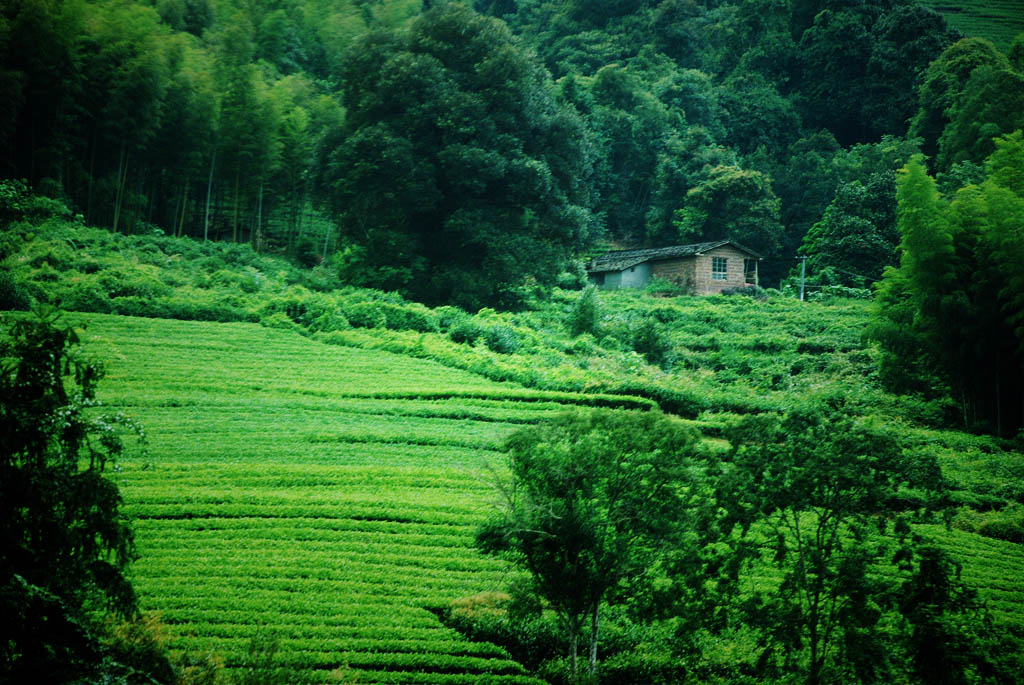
x,y
502,339
448,316
408,317
651,340
568,280
246,280
365,314
1010,530
133,281
664,288
585,315
279,320
465,331
638,666
18,203
753,291
12,294
509,621
85,297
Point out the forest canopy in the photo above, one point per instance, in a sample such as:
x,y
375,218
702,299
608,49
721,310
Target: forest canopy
x,y
470,152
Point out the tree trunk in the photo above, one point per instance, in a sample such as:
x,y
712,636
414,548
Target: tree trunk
x,y
209,189
92,166
574,638
999,398
327,237
122,176
257,236
184,206
593,638
234,219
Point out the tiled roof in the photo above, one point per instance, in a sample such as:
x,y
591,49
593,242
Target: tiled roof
x,y
623,259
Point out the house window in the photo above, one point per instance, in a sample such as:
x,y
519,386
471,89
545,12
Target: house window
x,y
599,279
719,268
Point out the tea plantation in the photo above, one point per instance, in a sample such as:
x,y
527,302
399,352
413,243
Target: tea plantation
x,y
279,495
319,459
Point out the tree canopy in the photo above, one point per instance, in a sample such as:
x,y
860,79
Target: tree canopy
x,y
955,302
459,171
65,541
593,498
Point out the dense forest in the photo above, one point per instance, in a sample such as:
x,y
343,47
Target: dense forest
x,y
459,154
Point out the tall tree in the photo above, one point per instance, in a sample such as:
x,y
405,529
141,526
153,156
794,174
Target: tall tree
x,y
593,499
733,203
942,84
458,170
811,496
64,541
958,290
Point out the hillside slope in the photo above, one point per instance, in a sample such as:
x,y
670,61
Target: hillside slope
x,y
279,501
286,498
997,20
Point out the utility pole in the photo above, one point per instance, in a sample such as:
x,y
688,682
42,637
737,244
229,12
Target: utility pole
x,y
803,274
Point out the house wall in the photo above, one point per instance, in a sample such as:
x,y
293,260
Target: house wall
x,y
634,277
703,284
680,271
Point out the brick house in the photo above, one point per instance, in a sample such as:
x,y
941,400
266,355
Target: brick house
x,y
702,268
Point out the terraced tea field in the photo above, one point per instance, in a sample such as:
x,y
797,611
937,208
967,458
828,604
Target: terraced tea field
x,y
327,497
282,496
998,20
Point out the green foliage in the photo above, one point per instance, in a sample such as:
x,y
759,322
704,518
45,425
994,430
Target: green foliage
x,y
943,84
585,315
436,174
650,340
732,203
806,496
591,501
313,453
501,339
856,237
67,542
957,292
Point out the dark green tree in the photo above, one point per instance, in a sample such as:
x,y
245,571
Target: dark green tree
x,y
942,83
733,203
593,499
806,495
856,237
954,305
457,170
990,105
64,541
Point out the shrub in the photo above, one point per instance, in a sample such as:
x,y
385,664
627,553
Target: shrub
x,y
664,288
1003,529
573,278
85,298
585,313
12,295
465,331
365,315
448,316
754,291
17,202
502,339
408,317
134,280
650,340
280,321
